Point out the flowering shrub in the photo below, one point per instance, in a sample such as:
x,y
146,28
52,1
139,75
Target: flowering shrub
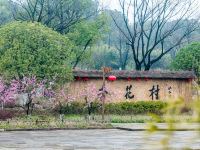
x,y
7,92
90,94
102,93
112,93
64,94
63,98
34,89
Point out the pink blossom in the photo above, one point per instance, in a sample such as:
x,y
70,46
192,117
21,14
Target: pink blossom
x,y
33,87
90,92
66,96
7,92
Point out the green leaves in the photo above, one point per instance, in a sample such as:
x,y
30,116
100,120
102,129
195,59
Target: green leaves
x,y
188,58
86,33
33,49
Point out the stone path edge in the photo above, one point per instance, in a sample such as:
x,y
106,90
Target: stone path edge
x,y
52,129
119,128
129,129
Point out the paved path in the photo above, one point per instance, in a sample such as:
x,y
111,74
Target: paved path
x,y
111,139
162,126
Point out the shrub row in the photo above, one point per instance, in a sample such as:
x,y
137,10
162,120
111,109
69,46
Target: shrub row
x,y
140,107
122,108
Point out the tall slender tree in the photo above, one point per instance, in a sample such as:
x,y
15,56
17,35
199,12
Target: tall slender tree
x,y
151,23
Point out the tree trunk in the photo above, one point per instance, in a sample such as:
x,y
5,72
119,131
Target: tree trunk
x,y
147,68
138,67
103,101
29,105
123,67
2,105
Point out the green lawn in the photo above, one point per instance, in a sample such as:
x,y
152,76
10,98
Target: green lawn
x,y
125,118
81,121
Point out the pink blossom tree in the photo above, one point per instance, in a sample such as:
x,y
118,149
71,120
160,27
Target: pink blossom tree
x,y
7,93
34,89
113,92
106,92
64,97
90,94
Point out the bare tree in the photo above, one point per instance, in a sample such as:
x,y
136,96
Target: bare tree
x,y
152,24
57,14
115,39
123,51
29,10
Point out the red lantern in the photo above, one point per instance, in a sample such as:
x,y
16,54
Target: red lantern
x,y
129,78
112,78
138,79
85,78
78,78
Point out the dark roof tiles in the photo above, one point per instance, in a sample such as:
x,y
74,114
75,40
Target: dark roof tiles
x,y
136,74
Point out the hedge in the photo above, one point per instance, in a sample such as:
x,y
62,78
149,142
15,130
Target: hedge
x,y
140,107
122,108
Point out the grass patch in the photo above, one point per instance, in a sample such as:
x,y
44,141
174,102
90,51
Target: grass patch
x,y
45,122
126,118
81,121
130,119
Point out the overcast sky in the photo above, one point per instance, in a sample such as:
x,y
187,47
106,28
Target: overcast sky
x,y
112,4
